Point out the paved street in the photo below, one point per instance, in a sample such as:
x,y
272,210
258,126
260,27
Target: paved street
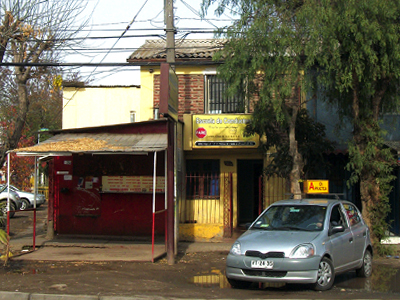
x,y
72,268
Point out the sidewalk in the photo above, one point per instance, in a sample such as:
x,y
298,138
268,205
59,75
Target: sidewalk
x,y
70,249
66,249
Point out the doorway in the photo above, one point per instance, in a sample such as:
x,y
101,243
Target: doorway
x,y
249,172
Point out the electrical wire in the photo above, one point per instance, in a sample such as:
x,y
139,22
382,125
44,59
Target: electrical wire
x,y
197,13
182,34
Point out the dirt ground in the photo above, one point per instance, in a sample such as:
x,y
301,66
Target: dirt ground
x,y
194,276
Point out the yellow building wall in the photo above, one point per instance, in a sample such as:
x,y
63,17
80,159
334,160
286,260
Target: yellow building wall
x,y
203,219
98,106
146,91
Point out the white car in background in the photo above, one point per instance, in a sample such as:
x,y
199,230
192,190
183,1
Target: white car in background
x,y
27,198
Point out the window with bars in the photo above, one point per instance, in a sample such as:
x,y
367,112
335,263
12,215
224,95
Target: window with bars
x,y
202,179
216,101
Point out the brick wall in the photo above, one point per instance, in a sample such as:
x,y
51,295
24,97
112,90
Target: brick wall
x,y
191,94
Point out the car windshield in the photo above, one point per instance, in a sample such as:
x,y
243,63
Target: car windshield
x,y
12,188
3,188
292,217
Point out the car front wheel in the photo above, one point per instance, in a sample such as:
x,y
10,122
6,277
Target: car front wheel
x,y
25,204
326,275
366,269
239,284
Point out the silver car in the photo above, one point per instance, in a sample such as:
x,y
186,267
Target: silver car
x,y
15,201
27,198
302,241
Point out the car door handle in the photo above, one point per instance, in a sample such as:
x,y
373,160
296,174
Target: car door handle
x,y
351,240
364,234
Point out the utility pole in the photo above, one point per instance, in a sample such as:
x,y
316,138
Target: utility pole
x,y
170,30
170,157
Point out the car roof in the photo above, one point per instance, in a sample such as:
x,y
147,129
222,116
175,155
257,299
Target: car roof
x,y
310,201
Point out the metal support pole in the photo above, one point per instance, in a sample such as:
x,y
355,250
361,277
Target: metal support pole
x,y
166,197
170,193
34,202
35,185
154,205
8,193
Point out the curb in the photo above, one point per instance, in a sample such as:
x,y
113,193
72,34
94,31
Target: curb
x,y
14,296
28,296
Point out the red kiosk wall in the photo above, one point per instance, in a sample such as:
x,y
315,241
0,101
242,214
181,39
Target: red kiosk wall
x,y
81,208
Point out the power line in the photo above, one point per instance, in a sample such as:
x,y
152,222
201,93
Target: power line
x,y
197,13
123,33
120,37
127,28
103,64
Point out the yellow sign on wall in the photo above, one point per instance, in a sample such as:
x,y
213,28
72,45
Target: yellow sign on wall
x,y
132,184
222,131
316,186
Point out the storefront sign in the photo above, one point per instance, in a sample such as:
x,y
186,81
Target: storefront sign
x,y
316,187
168,92
222,131
132,184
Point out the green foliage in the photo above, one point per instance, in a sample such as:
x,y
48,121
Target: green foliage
x,y
372,164
3,217
359,66
5,241
352,50
263,53
310,135
371,157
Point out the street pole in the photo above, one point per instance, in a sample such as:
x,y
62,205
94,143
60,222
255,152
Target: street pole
x,y
170,30
170,49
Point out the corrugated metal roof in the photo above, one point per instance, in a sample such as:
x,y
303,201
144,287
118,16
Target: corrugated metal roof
x,y
186,49
98,143
395,145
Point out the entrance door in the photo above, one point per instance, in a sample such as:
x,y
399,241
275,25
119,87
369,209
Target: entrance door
x,y
249,172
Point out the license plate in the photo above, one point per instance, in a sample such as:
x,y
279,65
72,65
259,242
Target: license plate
x,y
262,264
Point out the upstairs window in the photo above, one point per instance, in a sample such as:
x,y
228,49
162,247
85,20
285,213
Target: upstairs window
x,y
216,101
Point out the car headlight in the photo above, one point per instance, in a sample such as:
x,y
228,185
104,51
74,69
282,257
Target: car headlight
x,y
235,250
303,251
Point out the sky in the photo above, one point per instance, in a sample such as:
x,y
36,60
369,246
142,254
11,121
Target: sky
x,y
110,18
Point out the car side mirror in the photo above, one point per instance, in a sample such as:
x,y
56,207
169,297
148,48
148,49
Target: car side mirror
x,y
336,229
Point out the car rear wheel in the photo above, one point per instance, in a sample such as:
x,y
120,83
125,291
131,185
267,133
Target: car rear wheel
x,y
326,275
239,284
25,204
366,269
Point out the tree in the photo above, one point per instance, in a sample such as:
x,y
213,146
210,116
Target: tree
x,y
45,100
32,31
353,48
359,66
264,51
310,135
